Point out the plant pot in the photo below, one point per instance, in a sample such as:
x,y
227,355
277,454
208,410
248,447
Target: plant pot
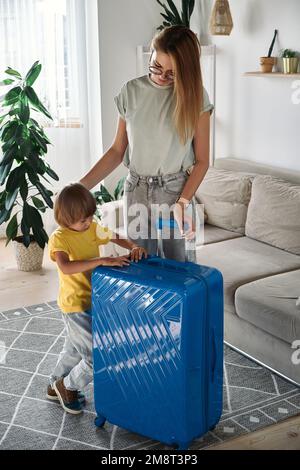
x,y
267,64
28,259
290,64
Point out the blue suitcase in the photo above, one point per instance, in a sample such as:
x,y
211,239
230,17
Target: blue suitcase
x,y
158,348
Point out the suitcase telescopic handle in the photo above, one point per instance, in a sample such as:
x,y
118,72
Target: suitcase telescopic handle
x,y
170,223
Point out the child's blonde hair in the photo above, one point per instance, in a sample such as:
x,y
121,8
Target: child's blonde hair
x,y
73,203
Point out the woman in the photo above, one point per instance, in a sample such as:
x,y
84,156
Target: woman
x,y
163,139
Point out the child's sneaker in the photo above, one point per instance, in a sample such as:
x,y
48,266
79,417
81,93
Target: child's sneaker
x,y
52,395
68,398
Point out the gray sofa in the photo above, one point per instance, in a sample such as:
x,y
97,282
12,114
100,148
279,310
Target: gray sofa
x,y
252,235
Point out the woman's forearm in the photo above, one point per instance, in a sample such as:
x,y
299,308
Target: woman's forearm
x,y
194,180
110,160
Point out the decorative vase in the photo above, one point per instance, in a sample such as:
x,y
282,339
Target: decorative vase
x,y
267,64
290,64
28,259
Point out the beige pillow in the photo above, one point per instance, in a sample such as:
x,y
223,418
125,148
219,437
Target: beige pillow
x,y
274,213
225,195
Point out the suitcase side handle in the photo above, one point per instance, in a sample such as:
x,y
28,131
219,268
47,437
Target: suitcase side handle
x,y
164,262
213,355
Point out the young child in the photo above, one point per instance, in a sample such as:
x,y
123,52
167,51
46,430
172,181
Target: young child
x,y
74,246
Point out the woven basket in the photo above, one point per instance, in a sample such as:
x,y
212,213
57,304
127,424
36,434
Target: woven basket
x,y
221,20
28,259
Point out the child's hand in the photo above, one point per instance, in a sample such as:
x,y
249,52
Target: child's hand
x,y
137,253
117,261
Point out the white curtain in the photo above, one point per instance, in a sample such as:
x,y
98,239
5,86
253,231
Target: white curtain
x,y
63,36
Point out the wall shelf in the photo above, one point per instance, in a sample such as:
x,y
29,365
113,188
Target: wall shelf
x,y
271,74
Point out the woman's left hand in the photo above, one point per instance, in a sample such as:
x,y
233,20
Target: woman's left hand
x,y
137,253
183,220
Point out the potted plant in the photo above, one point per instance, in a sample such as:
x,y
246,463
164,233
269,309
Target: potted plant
x,y
172,16
23,196
108,204
290,61
267,63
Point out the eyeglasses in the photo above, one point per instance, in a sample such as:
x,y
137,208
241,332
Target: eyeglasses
x,y
157,71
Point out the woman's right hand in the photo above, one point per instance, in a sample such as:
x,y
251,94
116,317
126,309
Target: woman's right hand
x,y
117,261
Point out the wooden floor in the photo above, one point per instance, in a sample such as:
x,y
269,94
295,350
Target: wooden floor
x,y
19,288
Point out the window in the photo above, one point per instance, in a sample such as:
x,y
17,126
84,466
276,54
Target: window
x,y
49,31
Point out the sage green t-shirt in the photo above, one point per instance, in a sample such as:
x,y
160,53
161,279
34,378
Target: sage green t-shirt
x,y
153,147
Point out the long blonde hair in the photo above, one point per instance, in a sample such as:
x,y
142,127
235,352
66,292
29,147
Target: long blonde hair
x,y
184,49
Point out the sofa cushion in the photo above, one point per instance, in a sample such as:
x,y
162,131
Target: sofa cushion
x,y
225,195
242,260
214,234
274,213
270,304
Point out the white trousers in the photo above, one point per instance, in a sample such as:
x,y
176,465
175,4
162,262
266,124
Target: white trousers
x,y
75,362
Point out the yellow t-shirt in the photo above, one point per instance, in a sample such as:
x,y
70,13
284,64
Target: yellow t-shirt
x,y
75,289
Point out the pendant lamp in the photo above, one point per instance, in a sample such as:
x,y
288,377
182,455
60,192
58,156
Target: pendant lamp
x,y
221,20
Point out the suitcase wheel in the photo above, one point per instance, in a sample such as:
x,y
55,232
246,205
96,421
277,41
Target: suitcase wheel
x,y
183,446
99,421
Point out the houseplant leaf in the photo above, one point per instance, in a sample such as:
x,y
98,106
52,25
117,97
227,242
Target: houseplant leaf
x,y
10,199
33,73
33,98
119,191
12,229
174,11
13,72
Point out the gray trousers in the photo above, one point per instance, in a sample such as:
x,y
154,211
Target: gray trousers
x,y
148,197
75,362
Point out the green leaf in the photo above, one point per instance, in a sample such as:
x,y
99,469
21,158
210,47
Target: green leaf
x,y
40,236
4,171
38,204
104,195
13,93
12,229
24,189
2,118
39,140
9,155
52,173
191,7
35,217
25,229
9,130
174,10
7,81
119,191
185,12
33,73
13,72
173,19
10,199
45,194
24,110
4,215
33,98
15,179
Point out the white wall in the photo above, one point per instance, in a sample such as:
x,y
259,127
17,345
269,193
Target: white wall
x,y
256,118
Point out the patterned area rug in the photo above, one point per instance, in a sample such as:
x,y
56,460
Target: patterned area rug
x,y
30,341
